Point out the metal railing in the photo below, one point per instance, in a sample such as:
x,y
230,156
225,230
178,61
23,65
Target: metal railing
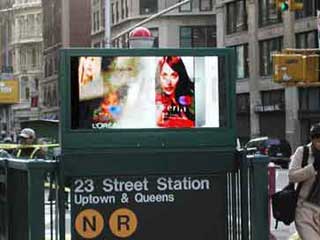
x,y
247,200
25,212
30,206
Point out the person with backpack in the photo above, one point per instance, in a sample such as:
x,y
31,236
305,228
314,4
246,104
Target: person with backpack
x,y
307,213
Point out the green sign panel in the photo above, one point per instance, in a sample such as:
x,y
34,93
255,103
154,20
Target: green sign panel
x,y
147,137
149,207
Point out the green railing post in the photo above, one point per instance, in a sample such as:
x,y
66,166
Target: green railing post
x,y
61,205
36,203
25,187
259,198
4,213
244,195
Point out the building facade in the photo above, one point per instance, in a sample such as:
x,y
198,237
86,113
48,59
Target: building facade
x,y
5,62
21,48
191,25
66,24
255,29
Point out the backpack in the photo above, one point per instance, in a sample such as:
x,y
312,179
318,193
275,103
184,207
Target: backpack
x,y
284,202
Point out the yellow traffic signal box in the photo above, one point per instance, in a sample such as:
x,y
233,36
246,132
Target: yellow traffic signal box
x,y
287,67
292,68
294,5
310,68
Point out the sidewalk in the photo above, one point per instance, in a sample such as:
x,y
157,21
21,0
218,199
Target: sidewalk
x,y
283,232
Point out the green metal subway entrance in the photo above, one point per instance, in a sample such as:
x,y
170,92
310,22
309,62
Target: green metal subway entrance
x,y
148,143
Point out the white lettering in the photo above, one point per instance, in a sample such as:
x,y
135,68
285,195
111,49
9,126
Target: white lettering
x,y
153,198
164,184
92,199
115,185
5,89
101,125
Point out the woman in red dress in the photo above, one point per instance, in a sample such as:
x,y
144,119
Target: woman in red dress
x,y
175,96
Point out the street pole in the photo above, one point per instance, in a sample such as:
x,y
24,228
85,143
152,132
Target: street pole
x,y
149,18
318,23
107,23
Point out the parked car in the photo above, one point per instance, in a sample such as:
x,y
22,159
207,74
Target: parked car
x,y
278,150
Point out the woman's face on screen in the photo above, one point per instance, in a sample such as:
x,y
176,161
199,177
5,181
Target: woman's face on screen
x,y
168,79
89,66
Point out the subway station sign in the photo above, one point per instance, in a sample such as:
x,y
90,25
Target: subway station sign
x,y
149,207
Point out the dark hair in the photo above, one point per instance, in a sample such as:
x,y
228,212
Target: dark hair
x,y
315,131
185,87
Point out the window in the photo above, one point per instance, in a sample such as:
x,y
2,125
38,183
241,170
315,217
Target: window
x,y
36,83
275,97
307,40
267,47
117,11
96,21
34,57
125,40
116,43
198,36
25,92
268,13
103,17
242,61
54,96
127,9
155,34
236,17
309,99
148,6
309,8
185,7
112,13
205,5
96,45
122,9
243,103
23,59
56,62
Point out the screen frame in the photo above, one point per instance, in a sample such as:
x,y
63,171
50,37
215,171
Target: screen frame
x,y
155,138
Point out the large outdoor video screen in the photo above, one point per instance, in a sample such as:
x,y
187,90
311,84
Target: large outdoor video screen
x,y
123,92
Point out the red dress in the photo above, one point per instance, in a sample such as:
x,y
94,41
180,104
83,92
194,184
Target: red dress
x,y
172,114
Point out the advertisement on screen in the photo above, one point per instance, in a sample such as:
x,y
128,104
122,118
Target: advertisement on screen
x,y
117,92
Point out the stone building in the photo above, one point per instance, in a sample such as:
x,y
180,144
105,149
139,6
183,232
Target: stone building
x,y
255,29
23,49
191,25
66,24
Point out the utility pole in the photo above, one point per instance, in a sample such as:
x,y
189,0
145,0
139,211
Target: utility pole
x,y
107,23
109,39
318,24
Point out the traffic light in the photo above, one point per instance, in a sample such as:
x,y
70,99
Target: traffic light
x,y
287,67
282,5
294,5
311,68
296,67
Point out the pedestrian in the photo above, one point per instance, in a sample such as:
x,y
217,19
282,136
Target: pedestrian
x,y
307,216
27,148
